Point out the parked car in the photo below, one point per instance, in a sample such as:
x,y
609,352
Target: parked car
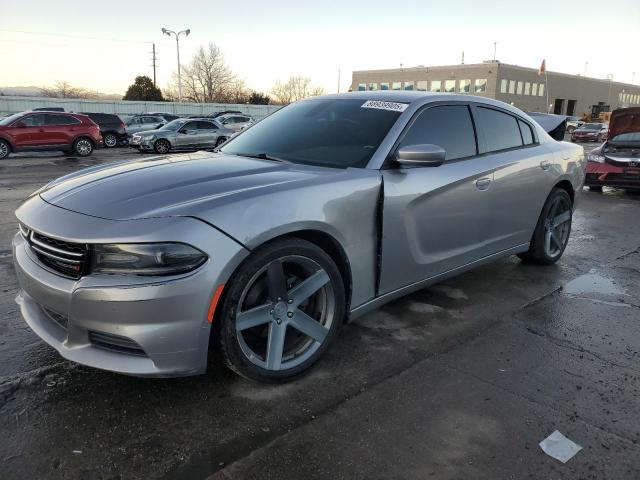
x,y
169,117
48,109
234,121
111,127
573,123
37,131
223,112
182,134
590,132
141,123
323,211
616,163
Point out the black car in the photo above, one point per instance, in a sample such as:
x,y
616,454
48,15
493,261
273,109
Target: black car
x,y
111,128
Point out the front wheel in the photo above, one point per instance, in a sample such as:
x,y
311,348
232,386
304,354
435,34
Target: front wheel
x,y
281,310
552,232
5,150
161,146
83,147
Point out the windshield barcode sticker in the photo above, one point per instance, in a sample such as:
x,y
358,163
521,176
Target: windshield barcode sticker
x,y
393,106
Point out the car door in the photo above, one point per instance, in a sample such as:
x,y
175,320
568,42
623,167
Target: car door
x,y
435,218
522,178
28,130
207,134
187,135
59,129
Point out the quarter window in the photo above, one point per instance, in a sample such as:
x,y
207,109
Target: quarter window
x,y
527,135
481,85
500,129
450,86
448,126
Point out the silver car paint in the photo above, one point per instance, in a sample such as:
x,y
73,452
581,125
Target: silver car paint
x,y
436,221
191,139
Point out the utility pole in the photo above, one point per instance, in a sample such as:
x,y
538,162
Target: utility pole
x,y
495,47
177,35
153,59
462,58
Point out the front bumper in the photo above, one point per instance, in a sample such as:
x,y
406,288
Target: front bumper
x,y
605,174
165,318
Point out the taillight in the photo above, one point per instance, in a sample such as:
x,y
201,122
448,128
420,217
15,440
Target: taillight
x,y
121,124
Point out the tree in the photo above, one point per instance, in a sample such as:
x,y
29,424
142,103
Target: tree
x,y
64,89
257,98
207,78
143,89
294,89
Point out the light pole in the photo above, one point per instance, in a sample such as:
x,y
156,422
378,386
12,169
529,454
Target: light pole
x,y
177,35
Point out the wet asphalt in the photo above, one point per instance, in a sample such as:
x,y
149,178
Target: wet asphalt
x,y
459,380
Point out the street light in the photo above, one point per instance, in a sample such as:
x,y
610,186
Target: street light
x,y
169,33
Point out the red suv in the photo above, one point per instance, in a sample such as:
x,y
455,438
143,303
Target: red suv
x,y
37,131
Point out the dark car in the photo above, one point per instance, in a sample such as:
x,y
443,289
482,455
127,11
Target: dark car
x,y
38,131
590,132
111,127
616,163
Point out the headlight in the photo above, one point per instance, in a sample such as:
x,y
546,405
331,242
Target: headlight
x,y
146,258
594,157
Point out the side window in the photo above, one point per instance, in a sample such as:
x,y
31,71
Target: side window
x,y
500,129
202,125
33,120
448,126
190,126
151,120
61,120
527,135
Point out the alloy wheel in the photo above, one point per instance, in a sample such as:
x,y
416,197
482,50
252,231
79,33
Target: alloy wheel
x,y
4,150
162,146
110,140
557,227
83,147
285,313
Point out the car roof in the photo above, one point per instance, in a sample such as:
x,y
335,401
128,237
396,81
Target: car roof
x,y
50,112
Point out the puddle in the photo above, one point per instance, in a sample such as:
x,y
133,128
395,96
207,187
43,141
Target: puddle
x,y
592,283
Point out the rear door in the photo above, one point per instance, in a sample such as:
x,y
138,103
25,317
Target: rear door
x,y
436,218
523,175
59,129
207,134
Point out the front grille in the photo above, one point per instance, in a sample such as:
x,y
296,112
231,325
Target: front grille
x,y
116,343
60,319
67,258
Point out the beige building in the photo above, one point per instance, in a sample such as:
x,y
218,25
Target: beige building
x,y
519,86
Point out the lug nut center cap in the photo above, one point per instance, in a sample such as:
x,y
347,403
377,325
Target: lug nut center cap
x,y
280,309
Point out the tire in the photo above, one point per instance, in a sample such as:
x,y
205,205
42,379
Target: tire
x,y
571,129
83,147
161,146
556,216
595,188
220,141
110,140
5,149
251,313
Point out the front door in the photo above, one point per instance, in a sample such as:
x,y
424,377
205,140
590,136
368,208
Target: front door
x,y
27,133
436,218
187,135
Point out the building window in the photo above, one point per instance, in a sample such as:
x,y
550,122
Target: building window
x,y
373,86
519,89
465,86
450,86
436,85
384,86
362,87
504,85
541,90
527,88
408,85
422,85
512,87
396,86
481,85
534,89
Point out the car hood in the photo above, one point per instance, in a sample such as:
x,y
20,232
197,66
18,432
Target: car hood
x,y
172,185
625,120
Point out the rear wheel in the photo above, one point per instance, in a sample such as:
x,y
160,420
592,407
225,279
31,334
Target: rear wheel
x,y
281,311
552,232
110,140
5,149
83,147
161,146
220,141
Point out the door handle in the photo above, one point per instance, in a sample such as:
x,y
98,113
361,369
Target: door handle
x,y
545,165
483,183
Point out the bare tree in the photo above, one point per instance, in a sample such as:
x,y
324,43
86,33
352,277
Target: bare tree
x,y
64,89
294,89
207,78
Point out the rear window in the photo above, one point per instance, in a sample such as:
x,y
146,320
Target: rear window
x,y
500,129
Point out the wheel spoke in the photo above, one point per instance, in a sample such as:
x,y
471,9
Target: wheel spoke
x,y
547,240
276,281
562,218
275,345
253,317
307,325
555,239
311,285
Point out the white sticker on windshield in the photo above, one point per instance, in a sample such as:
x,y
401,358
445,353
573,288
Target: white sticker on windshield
x,y
393,106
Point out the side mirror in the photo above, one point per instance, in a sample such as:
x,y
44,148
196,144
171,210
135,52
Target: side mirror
x,y
425,155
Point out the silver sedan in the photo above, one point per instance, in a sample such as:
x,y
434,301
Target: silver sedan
x,y
318,214
182,134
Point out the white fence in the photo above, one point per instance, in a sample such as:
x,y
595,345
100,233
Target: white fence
x,y
11,104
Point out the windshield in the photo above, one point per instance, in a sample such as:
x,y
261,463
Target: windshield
x,y
173,125
591,126
10,119
325,132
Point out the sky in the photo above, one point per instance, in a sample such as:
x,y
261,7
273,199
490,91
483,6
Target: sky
x,y
103,46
